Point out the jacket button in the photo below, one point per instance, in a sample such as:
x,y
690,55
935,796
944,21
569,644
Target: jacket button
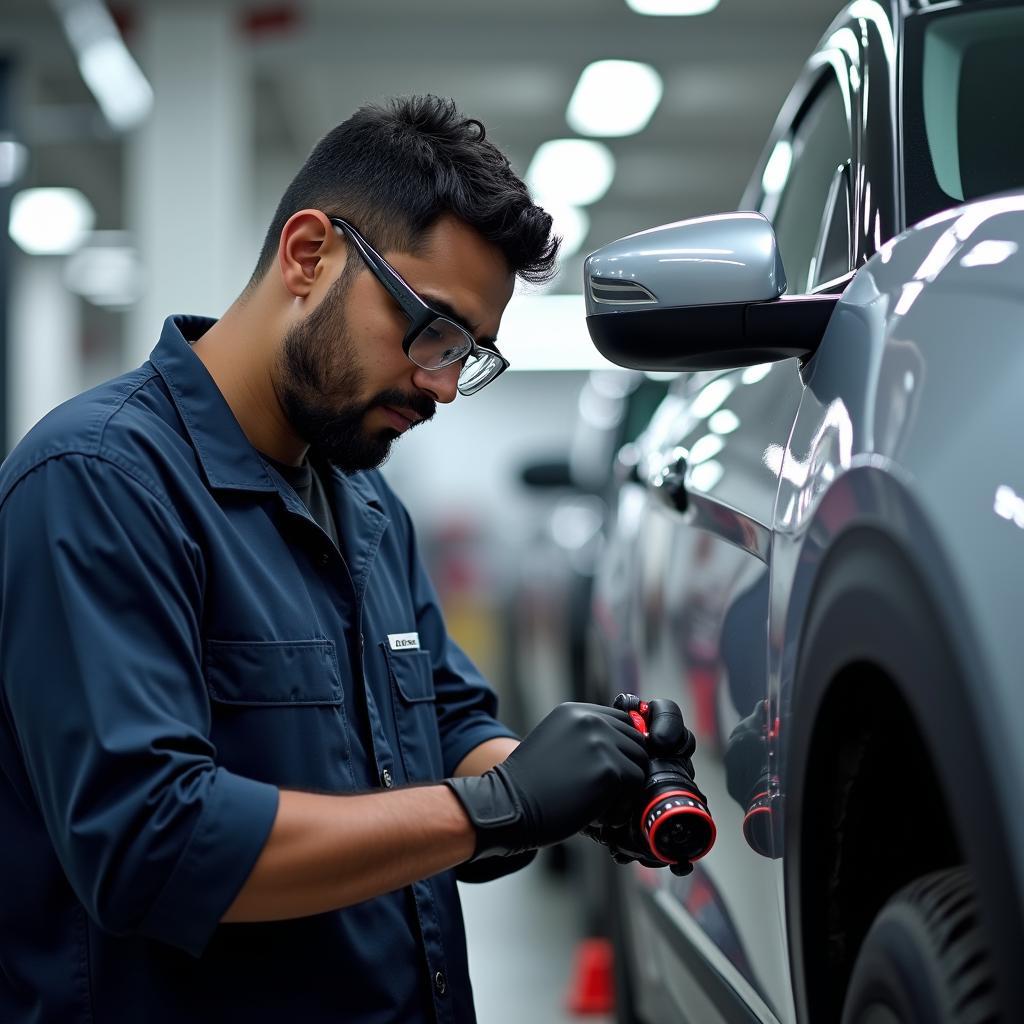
x,y
385,778
440,984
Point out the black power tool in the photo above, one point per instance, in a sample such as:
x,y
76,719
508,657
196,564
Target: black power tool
x,y
674,819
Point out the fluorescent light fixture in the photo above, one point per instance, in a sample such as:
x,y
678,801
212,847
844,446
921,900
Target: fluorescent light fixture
x,y
50,221
672,7
571,224
109,70
576,172
725,421
704,448
120,88
548,332
752,374
13,158
712,395
106,270
614,97
706,475
776,171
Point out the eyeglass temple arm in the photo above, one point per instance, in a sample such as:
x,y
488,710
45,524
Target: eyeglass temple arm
x,y
396,287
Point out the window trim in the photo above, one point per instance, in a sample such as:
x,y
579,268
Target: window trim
x,y
841,184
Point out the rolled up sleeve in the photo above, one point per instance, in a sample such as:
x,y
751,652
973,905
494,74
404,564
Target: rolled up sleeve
x,y
100,652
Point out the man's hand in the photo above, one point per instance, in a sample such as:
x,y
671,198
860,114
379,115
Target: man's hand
x,y
618,828
626,844
571,768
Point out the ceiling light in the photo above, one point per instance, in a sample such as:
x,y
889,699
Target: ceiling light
x,y
752,374
674,7
704,448
571,224
725,421
13,158
109,70
50,221
106,270
614,97
706,475
712,395
120,88
570,171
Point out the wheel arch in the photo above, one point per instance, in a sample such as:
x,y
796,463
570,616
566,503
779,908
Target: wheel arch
x,y
882,706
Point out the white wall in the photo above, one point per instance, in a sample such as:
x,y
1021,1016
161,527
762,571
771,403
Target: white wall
x,y
468,458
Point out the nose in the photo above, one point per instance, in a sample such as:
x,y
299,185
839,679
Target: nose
x,y
441,384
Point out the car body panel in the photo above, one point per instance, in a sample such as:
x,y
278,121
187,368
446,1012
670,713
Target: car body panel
x,y
877,444
903,423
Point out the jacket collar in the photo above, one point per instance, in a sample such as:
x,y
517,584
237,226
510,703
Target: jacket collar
x,y
227,457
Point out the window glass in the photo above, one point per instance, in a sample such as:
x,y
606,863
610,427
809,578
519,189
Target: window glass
x,y
972,84
833,258
821,143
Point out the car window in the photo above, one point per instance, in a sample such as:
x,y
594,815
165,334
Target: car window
x,y
820,145
964,80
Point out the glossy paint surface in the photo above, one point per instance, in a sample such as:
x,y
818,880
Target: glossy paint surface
x,y
905,421
705,261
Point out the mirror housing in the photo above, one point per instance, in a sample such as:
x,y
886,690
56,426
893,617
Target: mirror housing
x,y
702,294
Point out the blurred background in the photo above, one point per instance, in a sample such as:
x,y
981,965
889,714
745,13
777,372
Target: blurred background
x,y
144,146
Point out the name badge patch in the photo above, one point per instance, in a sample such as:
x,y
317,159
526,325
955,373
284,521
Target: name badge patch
x,y
404,641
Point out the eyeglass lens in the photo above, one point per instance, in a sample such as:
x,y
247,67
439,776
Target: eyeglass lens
x,y
442,343
479,370
439,344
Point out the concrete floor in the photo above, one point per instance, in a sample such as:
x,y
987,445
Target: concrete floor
x,y
522,933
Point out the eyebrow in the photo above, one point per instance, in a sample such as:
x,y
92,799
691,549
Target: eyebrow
x,y
436,302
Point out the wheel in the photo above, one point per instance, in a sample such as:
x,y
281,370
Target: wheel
x,y
924,959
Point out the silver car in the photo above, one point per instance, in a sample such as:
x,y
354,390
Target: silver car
x,y
818,551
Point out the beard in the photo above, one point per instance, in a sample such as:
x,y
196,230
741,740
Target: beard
x,y
318,383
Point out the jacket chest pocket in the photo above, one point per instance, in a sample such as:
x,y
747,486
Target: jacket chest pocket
x,y
278,712
412,691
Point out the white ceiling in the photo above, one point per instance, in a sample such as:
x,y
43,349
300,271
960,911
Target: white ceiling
x,y
513,66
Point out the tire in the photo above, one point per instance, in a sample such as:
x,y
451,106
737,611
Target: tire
x,y
924,959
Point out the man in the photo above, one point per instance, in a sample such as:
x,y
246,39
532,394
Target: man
x,y
240,753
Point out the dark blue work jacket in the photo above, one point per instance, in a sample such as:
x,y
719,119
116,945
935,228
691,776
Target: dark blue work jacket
x,y
178,639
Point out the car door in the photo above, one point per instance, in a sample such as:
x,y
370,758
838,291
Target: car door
x,y
697,632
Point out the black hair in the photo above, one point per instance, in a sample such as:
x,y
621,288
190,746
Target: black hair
x,y
394,170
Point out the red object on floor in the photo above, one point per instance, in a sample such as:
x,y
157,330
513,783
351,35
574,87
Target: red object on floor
x,y
591,989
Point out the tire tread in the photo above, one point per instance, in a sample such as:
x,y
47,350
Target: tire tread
x,y
945,906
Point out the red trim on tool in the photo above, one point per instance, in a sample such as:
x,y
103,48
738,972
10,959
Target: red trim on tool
x,y
671,814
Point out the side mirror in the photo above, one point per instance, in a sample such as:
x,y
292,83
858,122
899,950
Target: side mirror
x,y
703,294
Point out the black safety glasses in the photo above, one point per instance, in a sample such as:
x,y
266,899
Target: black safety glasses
x,y
433,340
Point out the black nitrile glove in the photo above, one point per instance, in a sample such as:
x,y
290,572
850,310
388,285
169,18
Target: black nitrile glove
x,y
487,869
578,761
667,736
746,756
671,746
626,844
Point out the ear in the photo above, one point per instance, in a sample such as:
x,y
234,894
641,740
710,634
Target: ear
x,y
308,239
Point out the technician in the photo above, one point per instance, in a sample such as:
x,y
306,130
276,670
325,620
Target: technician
x,y
239,752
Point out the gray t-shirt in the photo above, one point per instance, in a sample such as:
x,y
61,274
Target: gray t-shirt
x,y
307,483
